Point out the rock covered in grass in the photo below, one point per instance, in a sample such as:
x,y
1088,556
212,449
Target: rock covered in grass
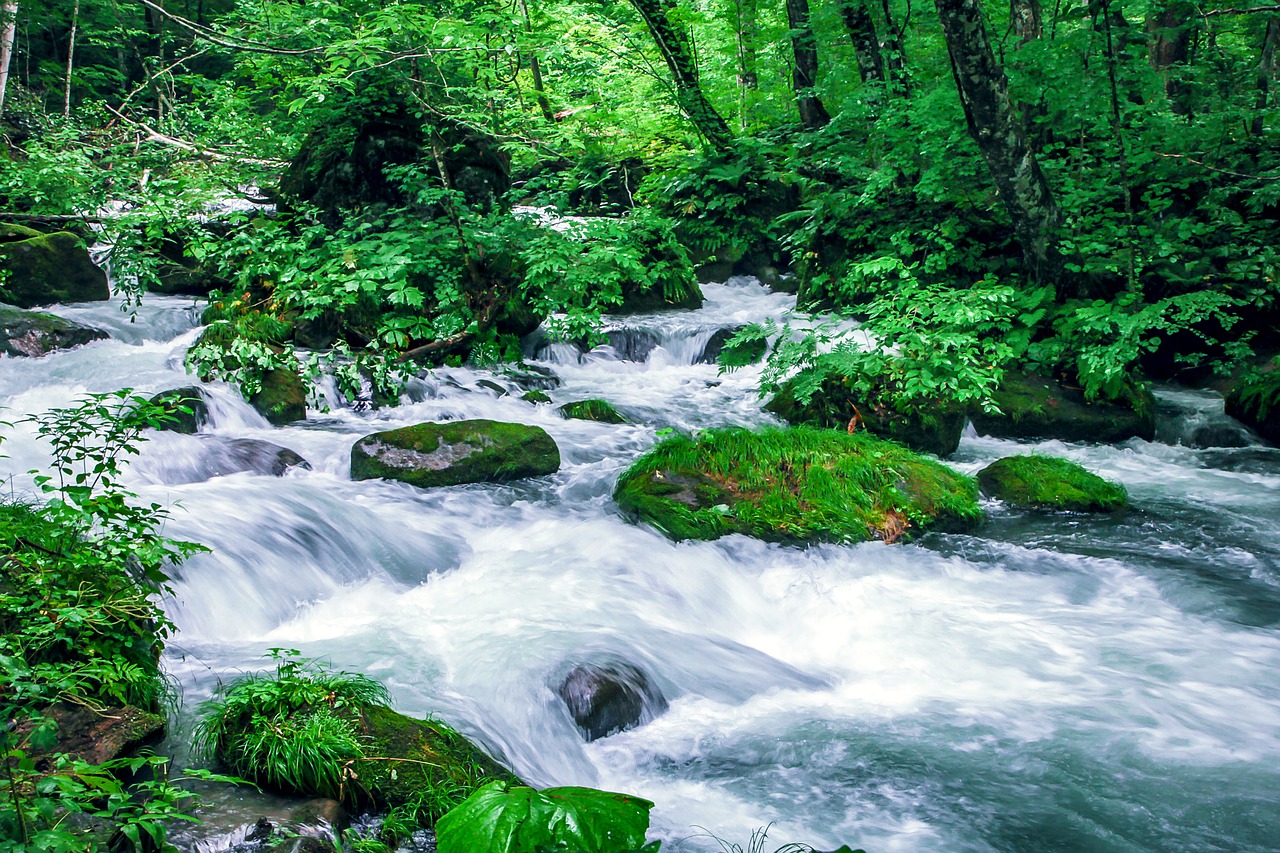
x,y
455,452
928,428
797,484
605,699
601,411
1032,406
47,268
1047,482
35,333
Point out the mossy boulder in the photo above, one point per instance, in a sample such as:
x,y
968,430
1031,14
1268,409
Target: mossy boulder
x,y
751,352
282,399
797,484
46,268
1255,401
932,427
407,758
601,411
92,736
35,333
536,397
188,408
455,452
1032,406
1047,482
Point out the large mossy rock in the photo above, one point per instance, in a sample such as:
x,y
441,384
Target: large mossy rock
x,y
601,411
797,484
282,399
46,268
1032,406
1255,402
35,333
930,428
1047,482
93,736
455,452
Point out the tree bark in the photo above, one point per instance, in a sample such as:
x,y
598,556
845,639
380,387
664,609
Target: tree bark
x,y
866,47
997,129
895,55
536,70
1027,21
748,56
8,28
675,50
804,68
71,59
1266,71
1170,29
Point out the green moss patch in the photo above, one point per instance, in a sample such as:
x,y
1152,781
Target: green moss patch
x,y
1032,406
49,268
535,396
601,411
449,454
798,484
1046,482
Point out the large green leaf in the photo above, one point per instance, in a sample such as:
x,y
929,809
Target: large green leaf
x,y
503,819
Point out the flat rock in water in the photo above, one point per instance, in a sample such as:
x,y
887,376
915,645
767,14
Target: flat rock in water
x,y
455,452
1046,482
220,457
35,333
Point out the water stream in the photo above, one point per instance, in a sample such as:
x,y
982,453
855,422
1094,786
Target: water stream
x,y
1051,683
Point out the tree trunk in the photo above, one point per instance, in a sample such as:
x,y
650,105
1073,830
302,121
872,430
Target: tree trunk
x,y
748,56
536,70
1266,71
866,47
895,55
997,130
1170,29
1026,20
8,28
674,47
804,68
71,59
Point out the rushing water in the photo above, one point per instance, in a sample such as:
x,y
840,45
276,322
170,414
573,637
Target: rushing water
x,y
1054,682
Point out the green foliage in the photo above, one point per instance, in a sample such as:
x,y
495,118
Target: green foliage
x,y
1046,482
285,729
1258,394
601,411
793,484
500,818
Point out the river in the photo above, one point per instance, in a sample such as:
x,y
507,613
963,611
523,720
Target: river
x,y
1049,683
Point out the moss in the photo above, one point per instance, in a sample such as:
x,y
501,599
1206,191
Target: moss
x,y
798,484
535,396
420,762
1046,482
1032,406
10,232
282,398
49,268
593,410
449,454
932,427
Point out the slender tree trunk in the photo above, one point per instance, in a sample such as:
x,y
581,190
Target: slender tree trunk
x,y
804,68
748,58
536,70
8,29
895,55
675,49
1027,21
1266,71
997,129
1170,29
866,47
71,59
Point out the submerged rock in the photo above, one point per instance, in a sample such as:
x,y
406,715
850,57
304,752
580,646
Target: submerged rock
x,y
933,427
798,484
188,407
1032,406
455,452
47,268
601,411
35,333
605,699
282,399
753,351
1047,482
235,455
536,397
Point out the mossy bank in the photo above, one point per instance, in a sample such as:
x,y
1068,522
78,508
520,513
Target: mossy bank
x,y
798,484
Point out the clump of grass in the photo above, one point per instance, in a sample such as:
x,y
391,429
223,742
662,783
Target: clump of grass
x,y
601,411
1047,482
287,729
794,484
